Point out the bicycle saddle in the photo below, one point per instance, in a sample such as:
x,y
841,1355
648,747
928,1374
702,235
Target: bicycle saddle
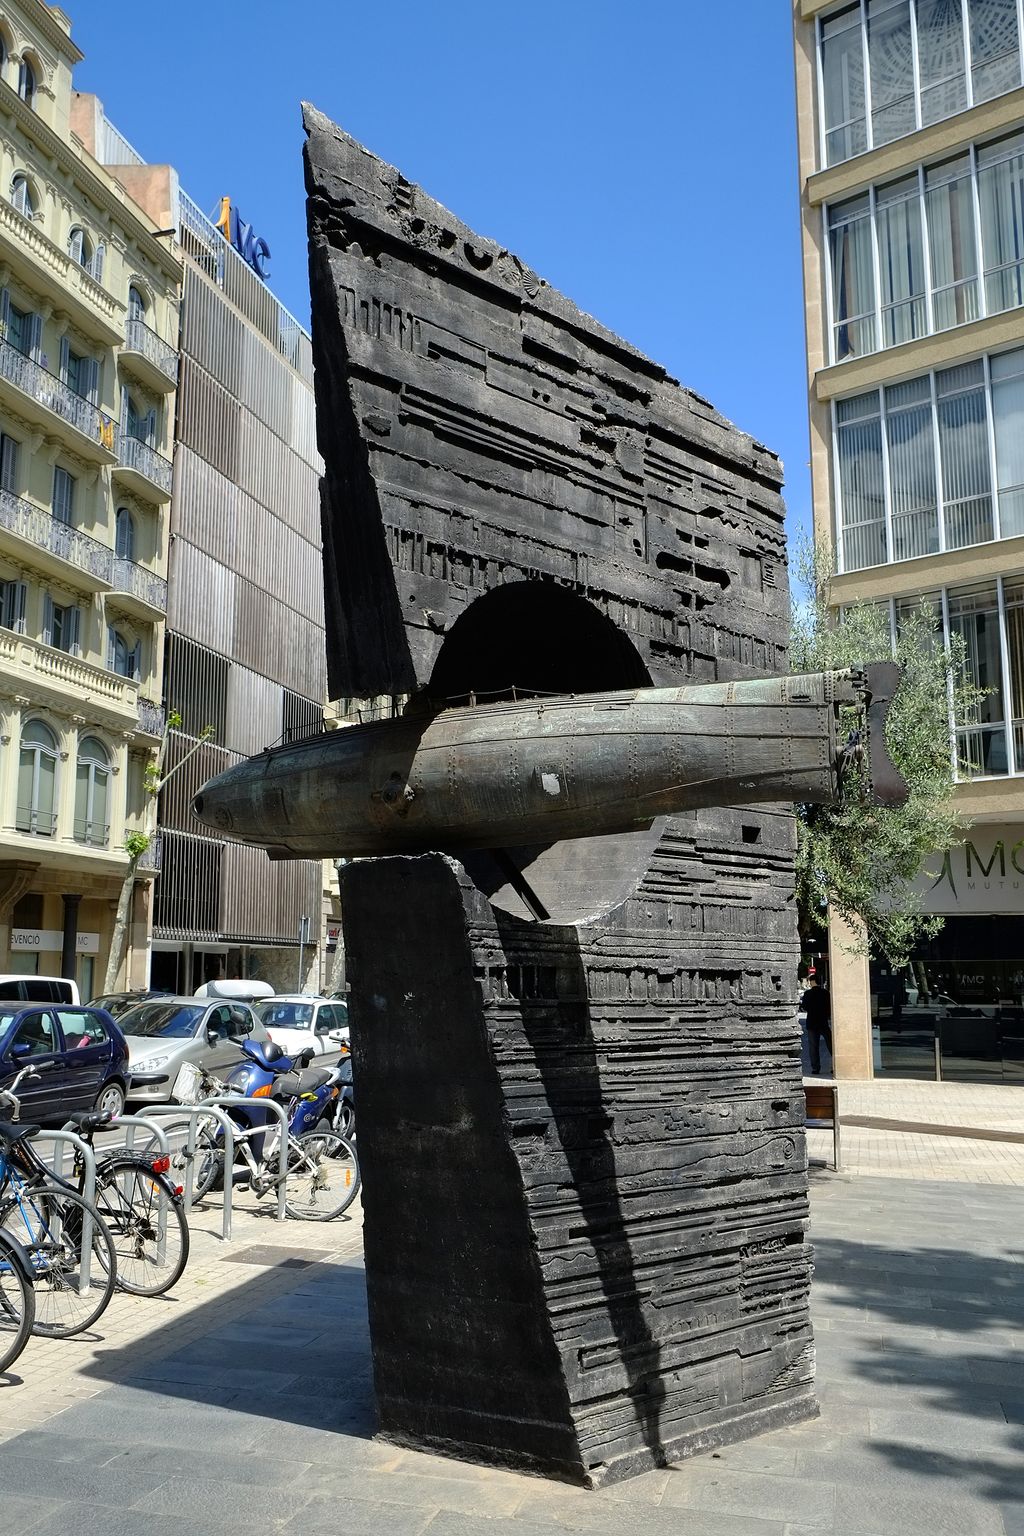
x,y
89,1119
11,1133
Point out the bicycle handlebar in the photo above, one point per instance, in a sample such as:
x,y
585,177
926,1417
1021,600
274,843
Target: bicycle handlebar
x,y
8,1095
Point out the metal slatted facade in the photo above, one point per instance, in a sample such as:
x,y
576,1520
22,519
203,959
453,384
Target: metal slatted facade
x,y
245,647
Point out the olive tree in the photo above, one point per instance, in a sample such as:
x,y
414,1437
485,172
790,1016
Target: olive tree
x,y
137,842
858,859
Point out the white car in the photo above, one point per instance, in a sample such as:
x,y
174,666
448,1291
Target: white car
x,y
297,1023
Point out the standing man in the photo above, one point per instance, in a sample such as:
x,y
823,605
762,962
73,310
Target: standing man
x,y
817,1005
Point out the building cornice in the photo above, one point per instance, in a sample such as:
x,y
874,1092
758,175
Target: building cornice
x,y
96,184
906,578
41,17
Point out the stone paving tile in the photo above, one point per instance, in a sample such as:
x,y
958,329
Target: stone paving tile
x,y
596,1513
24,1514
366,1517
84,1519
47,1478
765,1495
460,1495
872,1511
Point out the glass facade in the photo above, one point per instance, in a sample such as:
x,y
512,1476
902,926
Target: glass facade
x,y
937,248
889,67
989,619
931,464
957,1010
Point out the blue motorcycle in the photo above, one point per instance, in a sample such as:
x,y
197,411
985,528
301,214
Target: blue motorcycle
x,y
322,1177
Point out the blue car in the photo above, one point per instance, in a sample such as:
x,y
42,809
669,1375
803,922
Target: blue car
x,y
80,1054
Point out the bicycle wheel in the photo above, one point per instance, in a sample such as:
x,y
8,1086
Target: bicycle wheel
x,y
323,1176
208,1164
144,1216
49,1223
17,1303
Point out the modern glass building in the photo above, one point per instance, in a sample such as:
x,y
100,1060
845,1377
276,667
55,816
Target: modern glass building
x,y
245,634
911,143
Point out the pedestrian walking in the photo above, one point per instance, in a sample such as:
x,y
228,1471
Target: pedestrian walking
x,y
817,1005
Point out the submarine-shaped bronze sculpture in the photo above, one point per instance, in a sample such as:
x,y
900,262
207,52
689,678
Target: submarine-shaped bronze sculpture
x,y
542,770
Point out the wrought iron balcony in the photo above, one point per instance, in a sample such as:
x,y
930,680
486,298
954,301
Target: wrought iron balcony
x,y
152,719
153,857
38,823
135,581
48,533
153,354
141,460
55,396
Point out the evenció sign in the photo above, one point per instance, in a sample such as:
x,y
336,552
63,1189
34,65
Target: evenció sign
x,y
238,233
28,939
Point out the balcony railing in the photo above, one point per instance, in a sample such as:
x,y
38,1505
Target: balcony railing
x,y
38,823
152,719
138,582
96,834
134,454
47,532
153,857
138,337
45,387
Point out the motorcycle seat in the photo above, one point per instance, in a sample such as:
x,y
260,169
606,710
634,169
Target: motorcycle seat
x,y
291,1083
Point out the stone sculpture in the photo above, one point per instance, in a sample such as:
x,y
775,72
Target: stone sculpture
x,y
577,1064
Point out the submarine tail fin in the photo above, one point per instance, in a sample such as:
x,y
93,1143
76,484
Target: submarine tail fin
x,y
887,784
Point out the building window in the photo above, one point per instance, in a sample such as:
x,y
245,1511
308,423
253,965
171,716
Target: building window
x,y
37,781
934,463
915,62
79,246
63,495
124,525
138,423
62,625
27,83
21,196
92,793
136,304
9,464
972,210
13,597
980,740
22,330
123,658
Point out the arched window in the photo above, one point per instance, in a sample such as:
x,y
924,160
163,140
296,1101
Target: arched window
x,y
92,793
79,247
37,780
136,304
21,195
124,525
123,658
27,82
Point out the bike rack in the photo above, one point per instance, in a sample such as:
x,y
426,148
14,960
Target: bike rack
x,y
233,1133
88,1191
133,1122
227,1125
232,1099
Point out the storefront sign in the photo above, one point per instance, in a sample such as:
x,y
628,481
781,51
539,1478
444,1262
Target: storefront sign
x,y
333,932
983,874
249,246
25,940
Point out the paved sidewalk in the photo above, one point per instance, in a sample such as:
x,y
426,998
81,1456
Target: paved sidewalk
x,y
251,1408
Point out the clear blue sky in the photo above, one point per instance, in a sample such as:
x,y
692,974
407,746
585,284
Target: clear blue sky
x,y
641,156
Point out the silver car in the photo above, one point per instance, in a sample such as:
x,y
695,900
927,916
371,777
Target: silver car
x,y
166,1032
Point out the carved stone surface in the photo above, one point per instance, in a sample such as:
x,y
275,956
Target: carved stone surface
x,y
585,1174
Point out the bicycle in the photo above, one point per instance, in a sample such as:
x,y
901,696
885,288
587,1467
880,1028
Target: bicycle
x,y
60,1231
322,1175
17,1300
142,1208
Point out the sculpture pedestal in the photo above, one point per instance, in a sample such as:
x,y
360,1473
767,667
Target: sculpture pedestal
x,y
585,1185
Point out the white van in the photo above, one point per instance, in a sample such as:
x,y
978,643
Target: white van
x,y
39,989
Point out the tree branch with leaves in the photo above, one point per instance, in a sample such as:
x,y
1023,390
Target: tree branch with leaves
x,y
859,859
138,842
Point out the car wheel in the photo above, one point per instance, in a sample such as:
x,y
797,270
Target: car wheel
x,y
110,1099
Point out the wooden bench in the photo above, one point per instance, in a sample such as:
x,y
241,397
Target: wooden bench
x,y
821,1109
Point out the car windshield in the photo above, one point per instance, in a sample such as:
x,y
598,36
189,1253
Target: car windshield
x,y
175,1021
284,1015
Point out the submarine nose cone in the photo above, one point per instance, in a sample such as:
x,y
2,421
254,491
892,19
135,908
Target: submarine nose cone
x,y
211,810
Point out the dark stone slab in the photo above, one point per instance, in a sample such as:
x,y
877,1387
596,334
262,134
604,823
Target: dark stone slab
x,y
585,1181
